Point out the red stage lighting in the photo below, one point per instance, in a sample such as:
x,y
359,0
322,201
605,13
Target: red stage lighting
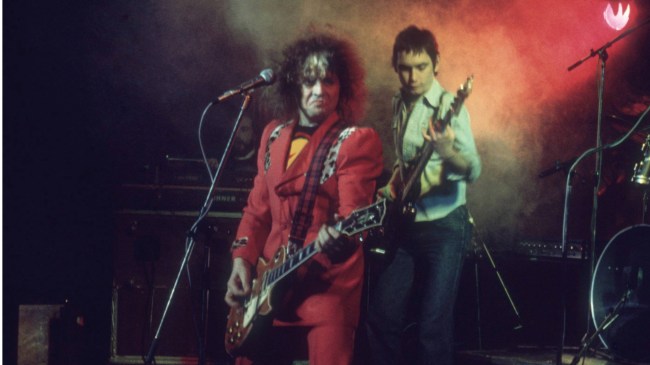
x,y
619,19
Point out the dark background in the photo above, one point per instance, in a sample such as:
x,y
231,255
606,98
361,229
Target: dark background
x,y
96,94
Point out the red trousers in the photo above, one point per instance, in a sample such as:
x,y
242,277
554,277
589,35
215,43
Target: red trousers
x,y
325,345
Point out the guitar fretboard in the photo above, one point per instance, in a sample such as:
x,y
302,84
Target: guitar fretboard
x,y
358,221
293,262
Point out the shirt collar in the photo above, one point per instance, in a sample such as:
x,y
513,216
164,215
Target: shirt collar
x,y
432,96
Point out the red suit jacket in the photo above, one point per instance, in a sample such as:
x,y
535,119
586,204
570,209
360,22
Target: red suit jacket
x,y
328,293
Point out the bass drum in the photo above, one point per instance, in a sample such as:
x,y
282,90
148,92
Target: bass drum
x,y
624,267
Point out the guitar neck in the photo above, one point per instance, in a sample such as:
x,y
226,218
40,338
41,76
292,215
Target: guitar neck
x,y
300,257
292,263
428,149
358,221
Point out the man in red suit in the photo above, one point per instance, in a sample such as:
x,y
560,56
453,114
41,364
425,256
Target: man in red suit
x,y
320,88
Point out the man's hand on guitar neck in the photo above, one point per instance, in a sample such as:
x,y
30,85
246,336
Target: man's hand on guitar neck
x,y
389,191
239,282
439,134
446,106
443,143
442,140
327,237
330,242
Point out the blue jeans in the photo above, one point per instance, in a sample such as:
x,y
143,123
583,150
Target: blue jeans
x,y
430,254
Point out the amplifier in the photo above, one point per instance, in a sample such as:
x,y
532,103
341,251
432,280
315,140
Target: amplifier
x,y
539,249
147,256
179,198
192,172
182,184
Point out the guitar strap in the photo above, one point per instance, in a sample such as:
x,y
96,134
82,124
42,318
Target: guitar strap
x,y
400,128
303,216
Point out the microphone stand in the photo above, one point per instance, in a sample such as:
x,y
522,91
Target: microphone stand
x,y
189,247
602,55
479,245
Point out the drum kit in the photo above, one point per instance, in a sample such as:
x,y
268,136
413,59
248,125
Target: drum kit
x,y
620,286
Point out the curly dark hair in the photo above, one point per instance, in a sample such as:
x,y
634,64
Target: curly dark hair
x,y
342,59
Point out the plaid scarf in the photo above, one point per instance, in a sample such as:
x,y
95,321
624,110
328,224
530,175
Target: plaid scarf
x,y
303,216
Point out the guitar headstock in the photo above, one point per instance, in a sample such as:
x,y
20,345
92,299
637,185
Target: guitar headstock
x,y
465,89
364,218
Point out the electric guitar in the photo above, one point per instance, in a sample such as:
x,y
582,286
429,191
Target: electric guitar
x,y
247,323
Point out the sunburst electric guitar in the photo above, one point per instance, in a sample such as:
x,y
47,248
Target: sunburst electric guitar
x,y
247,323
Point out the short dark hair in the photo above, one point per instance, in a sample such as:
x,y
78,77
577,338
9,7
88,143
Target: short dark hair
x,y
414,39
343,60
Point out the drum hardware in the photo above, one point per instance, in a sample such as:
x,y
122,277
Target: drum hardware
x,y
603,326
603,56
641,175
642,168
620,295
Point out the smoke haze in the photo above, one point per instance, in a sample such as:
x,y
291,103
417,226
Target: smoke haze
x,y
167,60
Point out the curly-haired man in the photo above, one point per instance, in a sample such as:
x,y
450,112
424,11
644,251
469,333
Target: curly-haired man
x,y
320,95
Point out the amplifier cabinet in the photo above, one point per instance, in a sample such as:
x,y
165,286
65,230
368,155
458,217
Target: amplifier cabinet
x,y
486,319
181,198
147,256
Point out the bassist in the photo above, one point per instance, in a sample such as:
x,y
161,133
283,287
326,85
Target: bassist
x,y
431,239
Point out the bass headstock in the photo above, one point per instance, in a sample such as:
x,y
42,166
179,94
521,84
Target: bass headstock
x,y
466,88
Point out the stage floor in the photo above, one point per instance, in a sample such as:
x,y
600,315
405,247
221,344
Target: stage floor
x,y
535,356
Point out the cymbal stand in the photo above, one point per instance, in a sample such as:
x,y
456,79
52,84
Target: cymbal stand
x,y
190,241
602,55
478,246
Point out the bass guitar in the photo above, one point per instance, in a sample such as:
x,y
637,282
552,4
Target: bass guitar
x,y
402,209
247,323
405,201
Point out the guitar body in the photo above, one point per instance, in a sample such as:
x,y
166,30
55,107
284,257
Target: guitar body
x,y
247,323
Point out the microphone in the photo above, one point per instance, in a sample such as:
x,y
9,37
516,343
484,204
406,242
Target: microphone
x,y
266,77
